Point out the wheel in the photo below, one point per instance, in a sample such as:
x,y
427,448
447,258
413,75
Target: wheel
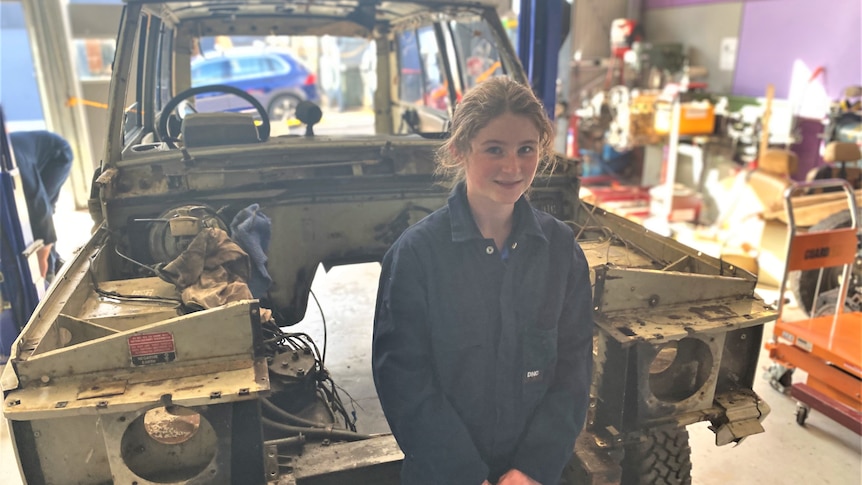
x,y
801,414
162,130
662,457
779,377
283,107
804,283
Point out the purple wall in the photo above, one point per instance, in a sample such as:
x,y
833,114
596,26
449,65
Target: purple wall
x,y
680,3
774,34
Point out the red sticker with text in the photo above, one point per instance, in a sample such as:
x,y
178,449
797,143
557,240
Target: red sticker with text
x,y
152,348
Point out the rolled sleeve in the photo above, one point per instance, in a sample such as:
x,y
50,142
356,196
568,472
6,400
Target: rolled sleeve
x,y
436,444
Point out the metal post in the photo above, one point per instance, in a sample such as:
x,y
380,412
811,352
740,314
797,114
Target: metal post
x,y
48,27
539,32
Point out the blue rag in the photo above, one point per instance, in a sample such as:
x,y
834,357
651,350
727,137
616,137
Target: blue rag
x,y
251,229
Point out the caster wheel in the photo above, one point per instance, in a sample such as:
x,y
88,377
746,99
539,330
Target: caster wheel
x,y
780,378
801,414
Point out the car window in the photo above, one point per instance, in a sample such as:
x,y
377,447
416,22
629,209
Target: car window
x,y
410,86
249,66
478,57
274,66
210,72
164,86
436,87
133,119
423,79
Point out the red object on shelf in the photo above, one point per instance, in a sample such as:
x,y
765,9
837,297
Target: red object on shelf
x,y
625,200
623,34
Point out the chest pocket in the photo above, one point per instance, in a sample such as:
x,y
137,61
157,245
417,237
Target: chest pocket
x,y
540,359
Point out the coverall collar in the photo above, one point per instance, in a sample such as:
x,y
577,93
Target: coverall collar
x,y
464,227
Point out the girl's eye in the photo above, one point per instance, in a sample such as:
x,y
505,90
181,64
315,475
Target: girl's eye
x,y
494,150
526,149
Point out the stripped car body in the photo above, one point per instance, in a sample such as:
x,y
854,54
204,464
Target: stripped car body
x,y
677,337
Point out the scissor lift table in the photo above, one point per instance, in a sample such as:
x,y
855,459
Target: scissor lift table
x,y
828,345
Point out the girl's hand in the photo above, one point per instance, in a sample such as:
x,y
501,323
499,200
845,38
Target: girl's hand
x,y
516,477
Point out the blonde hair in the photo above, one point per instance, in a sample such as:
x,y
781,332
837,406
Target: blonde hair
x,y
490,99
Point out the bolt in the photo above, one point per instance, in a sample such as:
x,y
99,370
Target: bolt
x,y
300,372
45,379
295,356
285,363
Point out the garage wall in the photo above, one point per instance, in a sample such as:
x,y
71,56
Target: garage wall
x,y
775,37
701,28
776,34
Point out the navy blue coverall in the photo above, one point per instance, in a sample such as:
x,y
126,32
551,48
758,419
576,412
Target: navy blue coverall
x,y
482,360
44,160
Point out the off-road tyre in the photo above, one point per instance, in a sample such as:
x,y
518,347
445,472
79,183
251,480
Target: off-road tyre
x,y
804,283
662,457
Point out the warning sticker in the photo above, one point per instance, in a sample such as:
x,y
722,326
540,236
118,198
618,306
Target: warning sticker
x,y
152,348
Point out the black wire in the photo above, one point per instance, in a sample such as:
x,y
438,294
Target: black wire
x,y
278,340
315,432
142,265
270,406
322,317
113,294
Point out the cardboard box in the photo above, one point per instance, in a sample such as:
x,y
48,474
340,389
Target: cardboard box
x,y
685,205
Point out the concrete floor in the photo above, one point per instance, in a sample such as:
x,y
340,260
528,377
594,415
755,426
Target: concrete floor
x,y
822,452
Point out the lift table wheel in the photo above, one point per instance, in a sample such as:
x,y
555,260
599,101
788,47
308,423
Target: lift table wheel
x,y
801,413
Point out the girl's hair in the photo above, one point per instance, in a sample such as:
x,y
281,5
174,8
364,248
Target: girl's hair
x,y
481,104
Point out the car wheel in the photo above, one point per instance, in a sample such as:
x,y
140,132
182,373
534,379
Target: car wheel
x,y
283,107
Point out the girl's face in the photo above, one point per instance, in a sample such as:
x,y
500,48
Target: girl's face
x,y
502,161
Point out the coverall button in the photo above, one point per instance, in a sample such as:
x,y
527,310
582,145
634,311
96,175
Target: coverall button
x,y
514,245
489,250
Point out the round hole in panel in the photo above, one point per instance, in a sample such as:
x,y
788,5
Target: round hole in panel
x,y
169,444
680,369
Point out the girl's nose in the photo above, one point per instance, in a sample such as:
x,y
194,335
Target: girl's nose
x,y
509,163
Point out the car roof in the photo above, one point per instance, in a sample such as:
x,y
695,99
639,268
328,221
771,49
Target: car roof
x,y
243,51
298,17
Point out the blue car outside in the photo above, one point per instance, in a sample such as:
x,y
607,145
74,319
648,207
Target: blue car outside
x,y
275,78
